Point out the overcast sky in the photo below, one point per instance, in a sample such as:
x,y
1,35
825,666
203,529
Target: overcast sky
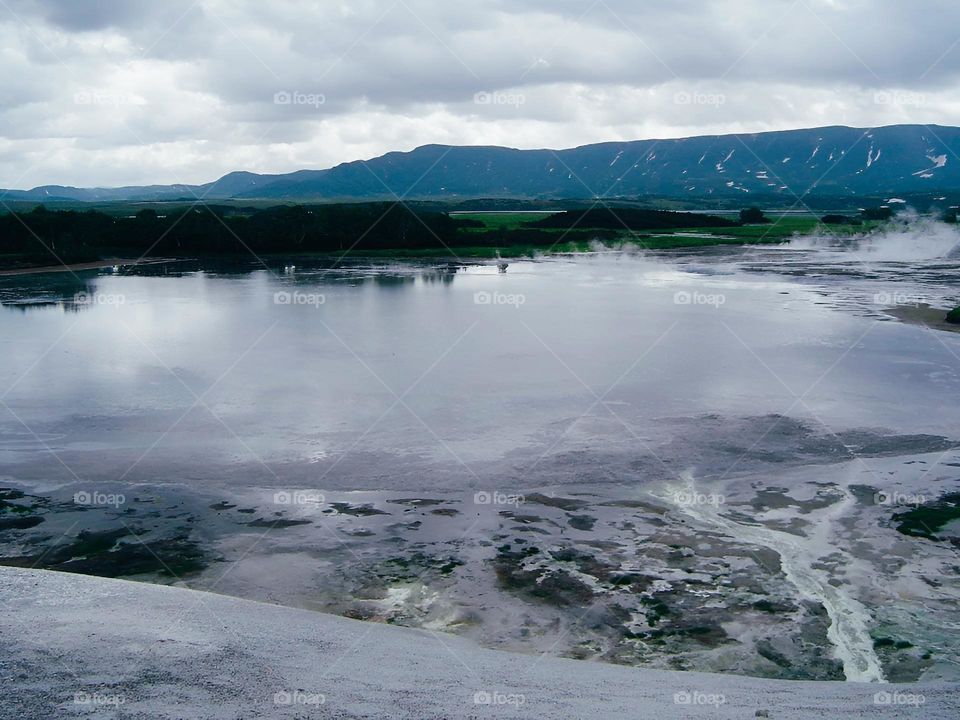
x,y
114,92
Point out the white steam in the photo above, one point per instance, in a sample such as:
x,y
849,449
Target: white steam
x,y
907,238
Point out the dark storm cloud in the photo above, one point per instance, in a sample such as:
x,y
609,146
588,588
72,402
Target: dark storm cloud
x,y
89,15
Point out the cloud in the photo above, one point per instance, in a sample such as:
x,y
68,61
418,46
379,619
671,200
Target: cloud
x,y
92,15
133,91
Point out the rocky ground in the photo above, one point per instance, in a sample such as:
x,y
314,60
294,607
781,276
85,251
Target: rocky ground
x,y
77,646
702,576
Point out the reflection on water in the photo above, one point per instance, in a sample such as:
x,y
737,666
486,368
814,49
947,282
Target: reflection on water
x,y
494,366
488,451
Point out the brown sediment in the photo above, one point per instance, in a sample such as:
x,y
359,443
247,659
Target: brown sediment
x,y
925,315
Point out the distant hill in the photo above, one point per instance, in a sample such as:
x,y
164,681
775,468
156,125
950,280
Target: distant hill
x,y
827,161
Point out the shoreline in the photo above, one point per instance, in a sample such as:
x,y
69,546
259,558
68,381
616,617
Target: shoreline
x,y
924,315
653,241
79,267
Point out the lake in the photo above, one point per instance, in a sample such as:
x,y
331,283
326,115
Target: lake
x,y
691,459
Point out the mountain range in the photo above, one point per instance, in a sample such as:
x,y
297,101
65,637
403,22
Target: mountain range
x,y
837,160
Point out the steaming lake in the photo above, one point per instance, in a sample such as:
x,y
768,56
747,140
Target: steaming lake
x,y
687,459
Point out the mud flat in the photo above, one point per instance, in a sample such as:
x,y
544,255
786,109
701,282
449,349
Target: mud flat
x,y
747,575
923,315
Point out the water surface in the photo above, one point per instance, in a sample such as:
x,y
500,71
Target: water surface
x,y
425,402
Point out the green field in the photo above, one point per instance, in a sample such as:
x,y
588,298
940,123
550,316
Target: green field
x,y
500,221
780,229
